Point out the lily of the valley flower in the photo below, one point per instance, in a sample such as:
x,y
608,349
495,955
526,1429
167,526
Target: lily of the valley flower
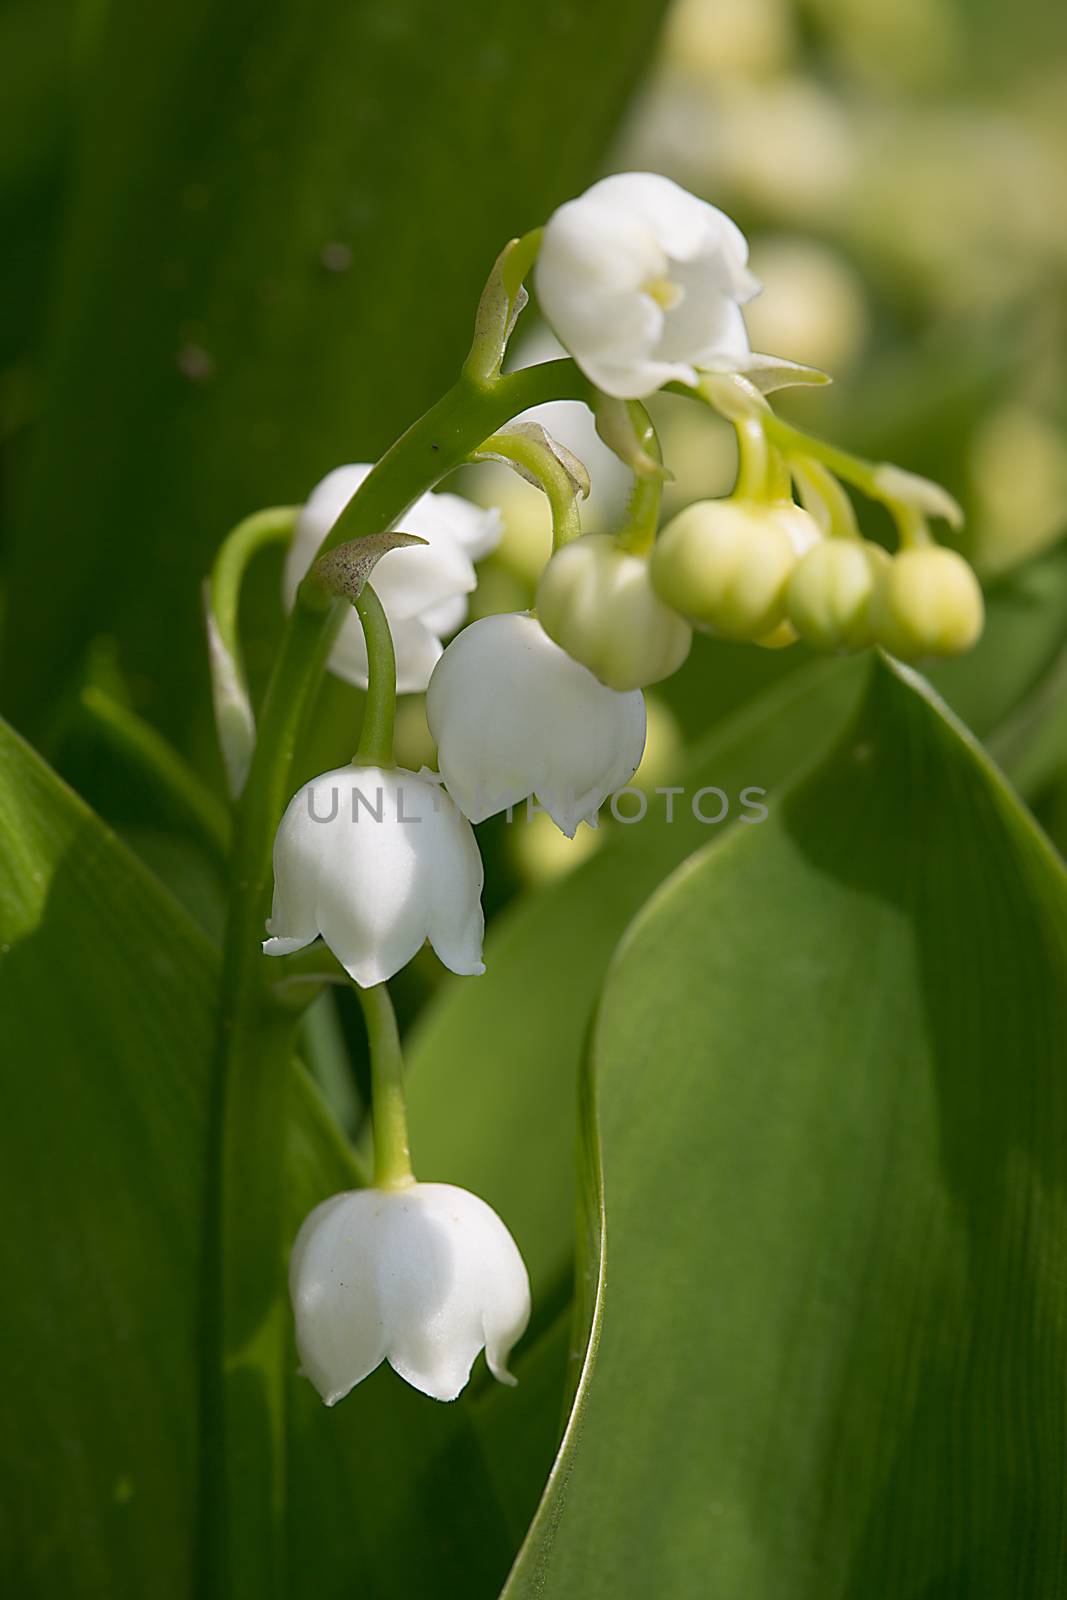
x,y
644,283
513,716
422,1277
424,590
376,861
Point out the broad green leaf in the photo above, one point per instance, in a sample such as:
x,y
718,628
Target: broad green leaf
x,y
494,1063
281,222
106,995
832,1111
105,1017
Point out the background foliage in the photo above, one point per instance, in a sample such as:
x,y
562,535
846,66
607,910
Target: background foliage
x,y
817,1336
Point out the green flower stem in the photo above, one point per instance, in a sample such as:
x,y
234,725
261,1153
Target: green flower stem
x,y
440,442
502,299
824,497
246,1345
392,1157
913,530
255,533
912,526
852,469
144,749
639,531
753,459
739,400
558,485
909,499
234,718
379,714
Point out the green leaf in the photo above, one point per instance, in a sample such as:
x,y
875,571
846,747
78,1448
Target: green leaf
x,y
519,1429
513,1040
256,292
106,1016
833,1118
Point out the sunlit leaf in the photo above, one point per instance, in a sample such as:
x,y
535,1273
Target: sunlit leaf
x,y
833,1113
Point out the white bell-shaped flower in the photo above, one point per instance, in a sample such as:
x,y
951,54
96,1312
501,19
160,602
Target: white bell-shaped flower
x,y
376,861
643,283
423,1277
514,715
423,588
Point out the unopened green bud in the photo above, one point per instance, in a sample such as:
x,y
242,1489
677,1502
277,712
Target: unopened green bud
x,y
830,593
927,603
597,602
725,564
804,534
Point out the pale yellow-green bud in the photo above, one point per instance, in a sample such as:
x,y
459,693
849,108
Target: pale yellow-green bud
x,y
830,593
804,534
927,603
597,602
781,636
725,564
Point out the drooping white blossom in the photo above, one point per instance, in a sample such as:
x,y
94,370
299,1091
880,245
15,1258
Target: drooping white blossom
x,y
423,589
376,861
423,1277
514,716
643,283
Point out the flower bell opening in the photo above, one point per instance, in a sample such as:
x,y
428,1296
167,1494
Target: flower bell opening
x,y
424,1278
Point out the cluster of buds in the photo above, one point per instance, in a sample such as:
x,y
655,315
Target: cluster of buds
x,y
766,573
726,566
644,286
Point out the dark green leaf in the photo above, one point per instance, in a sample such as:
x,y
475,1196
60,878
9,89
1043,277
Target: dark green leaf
x,y
105,1016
